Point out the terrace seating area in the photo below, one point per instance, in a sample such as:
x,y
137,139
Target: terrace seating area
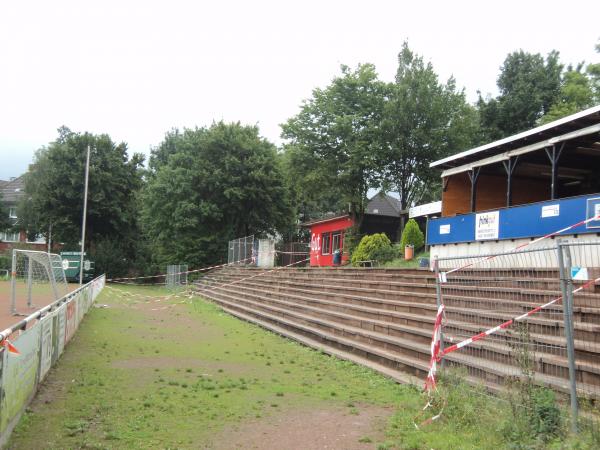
x,y
383,318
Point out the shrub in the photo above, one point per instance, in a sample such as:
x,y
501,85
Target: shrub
x,y
373,247
412,235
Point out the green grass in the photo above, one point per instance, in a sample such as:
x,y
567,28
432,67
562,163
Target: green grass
x,y
411,264
134,379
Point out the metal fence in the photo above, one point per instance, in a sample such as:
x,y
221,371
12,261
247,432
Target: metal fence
x,y
40,340
177,275
242,251
529,313
293,253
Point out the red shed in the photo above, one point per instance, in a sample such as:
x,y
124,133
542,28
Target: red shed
x,y
327,236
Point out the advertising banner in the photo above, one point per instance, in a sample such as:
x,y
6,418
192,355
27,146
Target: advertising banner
x,y
71,319
61,324
47,326
19,375
487,225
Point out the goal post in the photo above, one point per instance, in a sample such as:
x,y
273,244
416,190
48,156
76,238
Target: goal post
x,y
36,275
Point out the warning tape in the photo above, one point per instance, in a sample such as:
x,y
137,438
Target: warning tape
x,y
508,323
527,244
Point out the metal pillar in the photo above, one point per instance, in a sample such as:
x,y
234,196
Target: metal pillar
x,y
13,284
438,301
85,196
509,166
566,286
29,282
474,176
554,156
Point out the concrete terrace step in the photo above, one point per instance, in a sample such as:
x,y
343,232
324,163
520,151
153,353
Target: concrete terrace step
x,y
547,322
399,325
361,341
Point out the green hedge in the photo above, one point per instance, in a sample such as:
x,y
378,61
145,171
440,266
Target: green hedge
x,y
374,247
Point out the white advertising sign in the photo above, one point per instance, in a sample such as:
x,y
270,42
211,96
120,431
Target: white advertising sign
x,y
551,210
445,229
487,225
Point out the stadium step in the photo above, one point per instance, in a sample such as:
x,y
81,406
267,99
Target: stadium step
x,y
415,328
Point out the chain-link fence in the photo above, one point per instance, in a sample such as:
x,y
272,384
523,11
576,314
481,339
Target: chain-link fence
x,y
177,276
293,253
242,251
530,314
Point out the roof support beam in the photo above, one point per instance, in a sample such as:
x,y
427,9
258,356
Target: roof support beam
x,y
554,156
474,176
509,166
526,149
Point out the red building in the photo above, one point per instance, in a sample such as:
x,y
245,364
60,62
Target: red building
x,y
382,215
327,236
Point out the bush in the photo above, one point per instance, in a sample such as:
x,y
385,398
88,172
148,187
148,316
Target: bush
x,y
373,247
5,261
412,235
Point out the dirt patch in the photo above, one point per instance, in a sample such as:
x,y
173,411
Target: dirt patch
x,y
307,429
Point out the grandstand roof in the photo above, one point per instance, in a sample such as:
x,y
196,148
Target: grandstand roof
x,y
584,127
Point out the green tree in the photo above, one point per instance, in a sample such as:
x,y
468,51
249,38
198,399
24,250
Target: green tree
x,y
54,191
373,247
576,94
335,138
529,85
424,120
210,185
412,235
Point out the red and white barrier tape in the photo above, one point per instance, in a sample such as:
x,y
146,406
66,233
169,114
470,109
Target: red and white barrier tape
x,y
526,244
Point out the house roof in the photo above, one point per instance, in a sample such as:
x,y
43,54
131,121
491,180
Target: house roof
x,y
12,190
330,218
382,204
583,125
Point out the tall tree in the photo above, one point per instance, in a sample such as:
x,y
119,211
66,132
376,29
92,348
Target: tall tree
x,y
336,133
54,191
424,120
575,95
210,185
529,85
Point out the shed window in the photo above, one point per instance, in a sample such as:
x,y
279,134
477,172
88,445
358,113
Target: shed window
x,y
336,241
326,247
12,212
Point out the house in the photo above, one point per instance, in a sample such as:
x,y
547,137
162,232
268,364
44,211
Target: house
x,y
508,192
382,215
11,192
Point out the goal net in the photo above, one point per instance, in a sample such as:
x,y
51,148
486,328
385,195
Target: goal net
x,y
37,279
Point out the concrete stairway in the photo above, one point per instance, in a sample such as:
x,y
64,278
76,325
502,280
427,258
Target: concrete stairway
x,y
384,318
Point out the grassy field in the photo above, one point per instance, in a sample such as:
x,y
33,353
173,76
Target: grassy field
x,y
143,373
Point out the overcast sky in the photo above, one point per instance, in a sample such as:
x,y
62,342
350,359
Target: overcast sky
x,y
136,69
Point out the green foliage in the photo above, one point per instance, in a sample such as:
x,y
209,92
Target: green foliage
x,y
412,235
5,261
529,85
423,120
54,188
373,247
334,138
210,185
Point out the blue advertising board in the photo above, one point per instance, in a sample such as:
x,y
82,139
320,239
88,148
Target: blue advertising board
x,y
525,221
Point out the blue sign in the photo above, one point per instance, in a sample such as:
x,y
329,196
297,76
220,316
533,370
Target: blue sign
x,y
518,222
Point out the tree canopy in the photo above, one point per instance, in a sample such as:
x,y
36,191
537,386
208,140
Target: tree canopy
x,y
529,85
5,222
335,137
54,191
208,186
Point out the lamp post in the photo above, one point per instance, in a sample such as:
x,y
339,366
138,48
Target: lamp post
x,y
85,194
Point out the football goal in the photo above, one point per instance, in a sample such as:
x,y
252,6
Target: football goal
x,y
36,277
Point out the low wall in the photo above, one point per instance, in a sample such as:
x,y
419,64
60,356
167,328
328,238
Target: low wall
x,y
41,340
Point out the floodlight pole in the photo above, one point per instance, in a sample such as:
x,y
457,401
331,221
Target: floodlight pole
x,y
85,195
